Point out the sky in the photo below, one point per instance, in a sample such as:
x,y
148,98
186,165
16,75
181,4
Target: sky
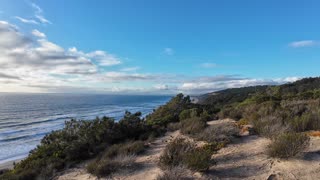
x,y
155,47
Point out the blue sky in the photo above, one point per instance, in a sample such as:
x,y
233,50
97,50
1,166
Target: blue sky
x,y
157,46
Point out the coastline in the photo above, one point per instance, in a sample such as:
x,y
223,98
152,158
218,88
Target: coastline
x,y
9,164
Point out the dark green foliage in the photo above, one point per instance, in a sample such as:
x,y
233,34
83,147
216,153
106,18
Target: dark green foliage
x,y
193,125
288,145
169,112
78,141
189,113
173,126
221,98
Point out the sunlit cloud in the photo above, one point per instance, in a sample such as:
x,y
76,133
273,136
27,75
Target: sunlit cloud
x,y
305,43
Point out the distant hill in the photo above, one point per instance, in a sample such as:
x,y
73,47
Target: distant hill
x,y
304,87
230,96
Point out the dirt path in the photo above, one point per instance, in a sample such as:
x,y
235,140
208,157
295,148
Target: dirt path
x,y
244,159
147,169
149,160
247,159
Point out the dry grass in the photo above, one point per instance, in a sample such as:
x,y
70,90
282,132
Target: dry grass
x,y
288,145
173,174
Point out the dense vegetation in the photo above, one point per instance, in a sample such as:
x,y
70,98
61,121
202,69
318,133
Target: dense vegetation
x,y
78,141
282,113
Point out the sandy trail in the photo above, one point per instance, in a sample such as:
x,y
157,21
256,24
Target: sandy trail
x,y
247,159
149,160
147,169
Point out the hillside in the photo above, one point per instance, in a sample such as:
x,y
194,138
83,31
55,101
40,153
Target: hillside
x,y
301,89
279,124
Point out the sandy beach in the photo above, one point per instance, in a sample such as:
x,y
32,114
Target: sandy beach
x,y
9,164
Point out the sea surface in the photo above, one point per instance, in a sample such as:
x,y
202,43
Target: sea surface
x,y
26,118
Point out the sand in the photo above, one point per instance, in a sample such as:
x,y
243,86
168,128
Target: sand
x,y
9,164
244,159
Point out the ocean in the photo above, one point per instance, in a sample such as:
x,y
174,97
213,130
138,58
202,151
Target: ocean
x,y
26,118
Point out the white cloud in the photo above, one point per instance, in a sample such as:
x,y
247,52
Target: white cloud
x,y
38,34
37,64
129,69
305,43
27,21
37,9
161,87
41,62
168,51
126,77
43,19
101,57
208,65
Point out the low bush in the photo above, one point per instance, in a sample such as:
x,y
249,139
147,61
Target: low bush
x,y
288,145
106,167
199,159
173,126
189,113
115,158
307,121
270,126
230,112
181,152
192,126
174,153
222,133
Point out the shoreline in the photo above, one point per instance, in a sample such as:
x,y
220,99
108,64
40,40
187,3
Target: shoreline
x,y
9,164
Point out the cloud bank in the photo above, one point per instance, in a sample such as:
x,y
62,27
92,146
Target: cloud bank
x,y
32,63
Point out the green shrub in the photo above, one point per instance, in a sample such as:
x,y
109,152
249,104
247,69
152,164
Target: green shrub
x,y
169,112
218,133
174,153
288,145
189,113
270,126
106,167
131,147
193,125
231,112
173,126
198,159
308,121
181,152
115,158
